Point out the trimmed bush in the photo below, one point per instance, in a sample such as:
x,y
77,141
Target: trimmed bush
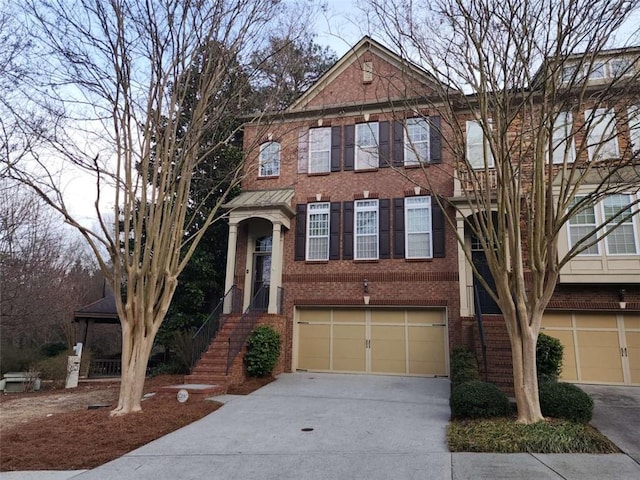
x,y
464,366
478,400
548,358
54,368
53,349
263,350
565,400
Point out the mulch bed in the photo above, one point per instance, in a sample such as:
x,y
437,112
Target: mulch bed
x,y
85,439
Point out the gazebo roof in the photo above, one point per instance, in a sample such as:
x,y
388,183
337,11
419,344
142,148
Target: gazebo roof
x,y
101,311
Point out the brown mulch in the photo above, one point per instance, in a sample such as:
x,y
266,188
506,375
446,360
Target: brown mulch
x,y
79,438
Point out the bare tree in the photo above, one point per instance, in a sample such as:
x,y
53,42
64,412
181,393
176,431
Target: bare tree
x,y
519,73
114,71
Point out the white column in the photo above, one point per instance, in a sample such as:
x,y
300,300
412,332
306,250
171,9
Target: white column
x,y
231,266
276,269
465,309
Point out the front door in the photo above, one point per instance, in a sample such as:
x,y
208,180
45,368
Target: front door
x,y
479,258
261,273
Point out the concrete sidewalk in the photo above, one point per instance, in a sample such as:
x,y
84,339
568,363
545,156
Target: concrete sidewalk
x,y
318,426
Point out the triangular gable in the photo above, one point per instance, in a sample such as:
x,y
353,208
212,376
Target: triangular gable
x,y
365,48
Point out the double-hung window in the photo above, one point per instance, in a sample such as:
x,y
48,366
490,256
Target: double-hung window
x,y
478,150
602,139
367,139
418,234
320,150
318,231
620,239
269,159
562,141
582,225
366,229
416,141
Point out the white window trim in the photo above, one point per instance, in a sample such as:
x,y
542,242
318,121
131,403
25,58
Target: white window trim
x,y
324,148
429,231
634,226
410,145
600,122
478,165
321,208
375,128
360,206
560,144
595,225
633,119
262,161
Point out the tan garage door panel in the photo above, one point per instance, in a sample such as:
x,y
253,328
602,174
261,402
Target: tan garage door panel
x,y
314,343
569,367
427,350
388,349
349,354
599,354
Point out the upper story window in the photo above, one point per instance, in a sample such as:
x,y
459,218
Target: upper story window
x,y
418,234
478,151
416,141
367,137
366,229
620,67
318,231
320,150
621,239
602,139
269,159
615,212
633,117
562,141
598,70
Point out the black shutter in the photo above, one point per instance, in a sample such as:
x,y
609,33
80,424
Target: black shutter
x,y
336,148
301,231
435,140
349,146
384,236
347,231
398,228
384,148
334,234
398,144
437,227
303,150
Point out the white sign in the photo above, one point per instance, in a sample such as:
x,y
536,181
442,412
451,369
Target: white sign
x,y
183,395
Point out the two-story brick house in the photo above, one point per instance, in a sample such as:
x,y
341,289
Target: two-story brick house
x,y
337,242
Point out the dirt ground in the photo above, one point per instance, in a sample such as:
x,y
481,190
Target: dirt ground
x,y
56,430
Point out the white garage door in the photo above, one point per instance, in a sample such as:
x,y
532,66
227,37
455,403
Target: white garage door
x,y
598,347
385,341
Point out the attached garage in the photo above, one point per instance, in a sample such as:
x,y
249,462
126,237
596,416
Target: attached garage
x,y
598,347
374,340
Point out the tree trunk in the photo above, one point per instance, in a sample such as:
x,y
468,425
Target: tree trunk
x,y
525,378
136,348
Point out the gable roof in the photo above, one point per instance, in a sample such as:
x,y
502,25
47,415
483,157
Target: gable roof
x,y
366,44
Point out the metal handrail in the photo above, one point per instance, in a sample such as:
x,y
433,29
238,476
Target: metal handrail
x,y
202,338
483,343
245,326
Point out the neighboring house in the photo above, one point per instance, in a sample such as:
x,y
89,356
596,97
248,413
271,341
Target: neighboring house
x,y
355,263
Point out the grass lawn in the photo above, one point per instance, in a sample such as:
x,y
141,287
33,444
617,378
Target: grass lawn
x,y
504,435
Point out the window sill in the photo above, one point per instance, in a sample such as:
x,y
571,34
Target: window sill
x,y
316,262
418,260
318,174
364,170
372,260
268,177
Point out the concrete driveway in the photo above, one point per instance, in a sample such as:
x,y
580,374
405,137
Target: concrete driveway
x,y
311,426
616,413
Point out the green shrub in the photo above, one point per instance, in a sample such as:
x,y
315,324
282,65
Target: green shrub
x,y
263,350
172,367
54,368
18,359
565,400
548,358
478,400
53,349
464,366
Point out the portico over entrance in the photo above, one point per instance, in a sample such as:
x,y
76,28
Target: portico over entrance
x,y
257,222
